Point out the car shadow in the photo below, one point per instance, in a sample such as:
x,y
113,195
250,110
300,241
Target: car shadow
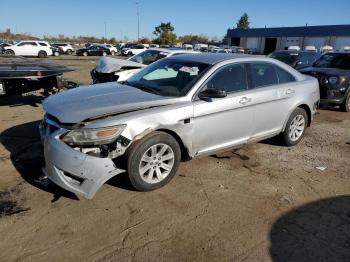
x,y
318,231
121,181
330,108
26,153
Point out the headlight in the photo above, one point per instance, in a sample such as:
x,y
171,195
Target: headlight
x,y
93,136
333,80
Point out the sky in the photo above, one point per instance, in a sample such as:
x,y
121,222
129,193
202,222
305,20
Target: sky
x,y
211,18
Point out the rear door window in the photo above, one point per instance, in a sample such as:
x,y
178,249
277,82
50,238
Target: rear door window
x,y
27,44
265,74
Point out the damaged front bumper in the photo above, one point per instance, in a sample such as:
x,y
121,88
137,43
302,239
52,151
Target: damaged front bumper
x,y
73,170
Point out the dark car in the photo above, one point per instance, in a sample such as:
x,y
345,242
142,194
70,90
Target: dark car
x,y
2,47
333,73
56,51
95,50
296,59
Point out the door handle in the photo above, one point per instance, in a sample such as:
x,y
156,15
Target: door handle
x,y
245,100
290,91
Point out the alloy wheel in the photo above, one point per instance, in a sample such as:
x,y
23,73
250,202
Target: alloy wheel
x,y
156,163
297,127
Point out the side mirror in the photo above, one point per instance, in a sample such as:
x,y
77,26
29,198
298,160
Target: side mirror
x,y
212,93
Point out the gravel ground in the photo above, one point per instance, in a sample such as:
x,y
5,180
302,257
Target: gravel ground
x,y
264,202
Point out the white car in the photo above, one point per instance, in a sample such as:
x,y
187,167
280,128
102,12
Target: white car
x,y
112,69
326,49
111,48
346,49
30,48
66,48
294,48
310,48
133,50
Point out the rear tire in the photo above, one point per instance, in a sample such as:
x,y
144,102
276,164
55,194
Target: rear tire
x,y
85,54
295,127
104,54
345,106
69,52
42,54
56,53
129,53
153,161
113,53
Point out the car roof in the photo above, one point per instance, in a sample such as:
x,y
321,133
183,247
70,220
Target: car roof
x,y
296,51
212,58
173,50
338,53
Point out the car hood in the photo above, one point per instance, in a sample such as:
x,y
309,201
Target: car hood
x,y
323,71
91,102
110,65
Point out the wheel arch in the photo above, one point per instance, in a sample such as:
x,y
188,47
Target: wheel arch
x,y
184,150
307,110
185,155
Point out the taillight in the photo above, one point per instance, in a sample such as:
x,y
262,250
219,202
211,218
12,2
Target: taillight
x,y
60,81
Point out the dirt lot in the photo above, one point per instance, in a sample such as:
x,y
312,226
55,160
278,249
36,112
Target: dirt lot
x,y
263,202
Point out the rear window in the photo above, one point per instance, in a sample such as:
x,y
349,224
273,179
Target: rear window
x,y
42,44
148,57
335,60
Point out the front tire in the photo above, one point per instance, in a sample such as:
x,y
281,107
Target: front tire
x,y
113,53
345,106
129,53
295,128
10,52
85,54
153,161
104,54
69,52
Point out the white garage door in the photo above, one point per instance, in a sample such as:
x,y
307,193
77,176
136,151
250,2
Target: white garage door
x,y
252,43
315,41
292,41
340,42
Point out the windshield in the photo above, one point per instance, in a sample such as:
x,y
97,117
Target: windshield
x,y
169,77
341,61
148,57
288,58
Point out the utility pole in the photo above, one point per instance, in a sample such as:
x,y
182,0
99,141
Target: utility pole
x,y
105,30
138,22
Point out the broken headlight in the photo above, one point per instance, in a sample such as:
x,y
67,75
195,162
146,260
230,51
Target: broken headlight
x,y
93,136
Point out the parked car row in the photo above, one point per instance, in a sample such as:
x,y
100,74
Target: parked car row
x,y
322,50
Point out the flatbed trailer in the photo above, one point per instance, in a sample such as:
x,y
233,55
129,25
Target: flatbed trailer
x,y
20,75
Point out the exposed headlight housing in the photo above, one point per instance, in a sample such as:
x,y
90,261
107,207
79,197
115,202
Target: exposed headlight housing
x,y
333,80
93,136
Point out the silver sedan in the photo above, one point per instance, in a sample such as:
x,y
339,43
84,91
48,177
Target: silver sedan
x,y
177,108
